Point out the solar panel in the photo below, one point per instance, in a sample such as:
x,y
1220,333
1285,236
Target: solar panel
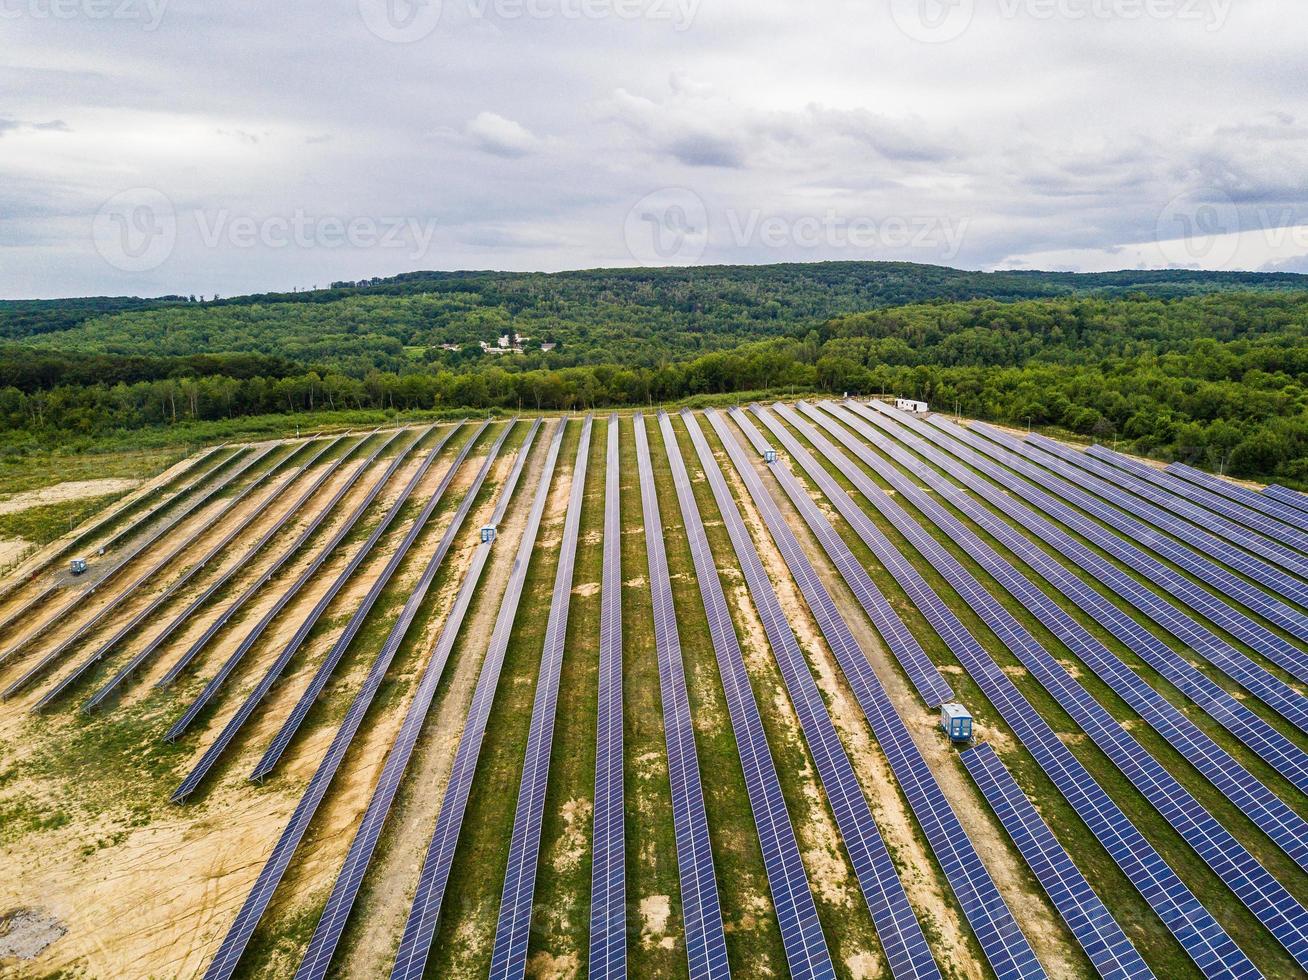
x,y
158,601
1223,551
1177,509
1286,496
1198,932
1263,738
1236,493
807,955
274,671
131,531
331,924
992,921
509,953
1269,813
46,662
424,914
1104,942
256,903
1204,502
325,669
212,630
86,537
921,672
701,911
902,940
608,892
1126,550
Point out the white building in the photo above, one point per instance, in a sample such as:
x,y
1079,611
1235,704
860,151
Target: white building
x,y
909,405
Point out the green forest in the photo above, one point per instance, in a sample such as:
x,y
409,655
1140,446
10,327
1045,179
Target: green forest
x,y
1211,369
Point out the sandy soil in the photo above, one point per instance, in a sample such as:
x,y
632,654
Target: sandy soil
x,y
12,550
63,492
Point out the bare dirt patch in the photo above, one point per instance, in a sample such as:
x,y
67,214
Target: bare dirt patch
x,y
26,933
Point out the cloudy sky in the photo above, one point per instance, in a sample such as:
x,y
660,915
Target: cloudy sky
x,y
179,146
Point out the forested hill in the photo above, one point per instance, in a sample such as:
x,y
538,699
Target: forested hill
x,y
1211,369
640,317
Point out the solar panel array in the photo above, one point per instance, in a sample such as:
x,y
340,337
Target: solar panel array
x,y
1196,929
183,496
902,939
1180,513
1104,942
274,671
608,891
509,952
1236,493
1223,708
921,672
345,891
162,637
328,665
87,537
1258,734
173,587
1294,498
424,913
256,903
806,950
1242,873
1203,502
997,932
701,910
1129,547
49,660
1222,551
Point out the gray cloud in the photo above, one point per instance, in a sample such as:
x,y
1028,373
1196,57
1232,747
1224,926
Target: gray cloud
x,y
528,140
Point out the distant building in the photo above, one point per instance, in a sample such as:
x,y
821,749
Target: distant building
x,y
909,405
547,347
452,347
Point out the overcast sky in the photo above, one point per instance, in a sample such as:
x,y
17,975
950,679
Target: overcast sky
x,y
178,146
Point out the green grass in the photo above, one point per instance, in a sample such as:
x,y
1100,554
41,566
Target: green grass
x,y
41,525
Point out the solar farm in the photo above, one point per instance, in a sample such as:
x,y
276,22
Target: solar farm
x,y
813,689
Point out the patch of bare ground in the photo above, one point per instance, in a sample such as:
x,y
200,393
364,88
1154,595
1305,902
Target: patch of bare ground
x,y
12,550
951,942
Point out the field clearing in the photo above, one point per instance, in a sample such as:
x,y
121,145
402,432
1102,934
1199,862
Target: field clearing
x,y
100,875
